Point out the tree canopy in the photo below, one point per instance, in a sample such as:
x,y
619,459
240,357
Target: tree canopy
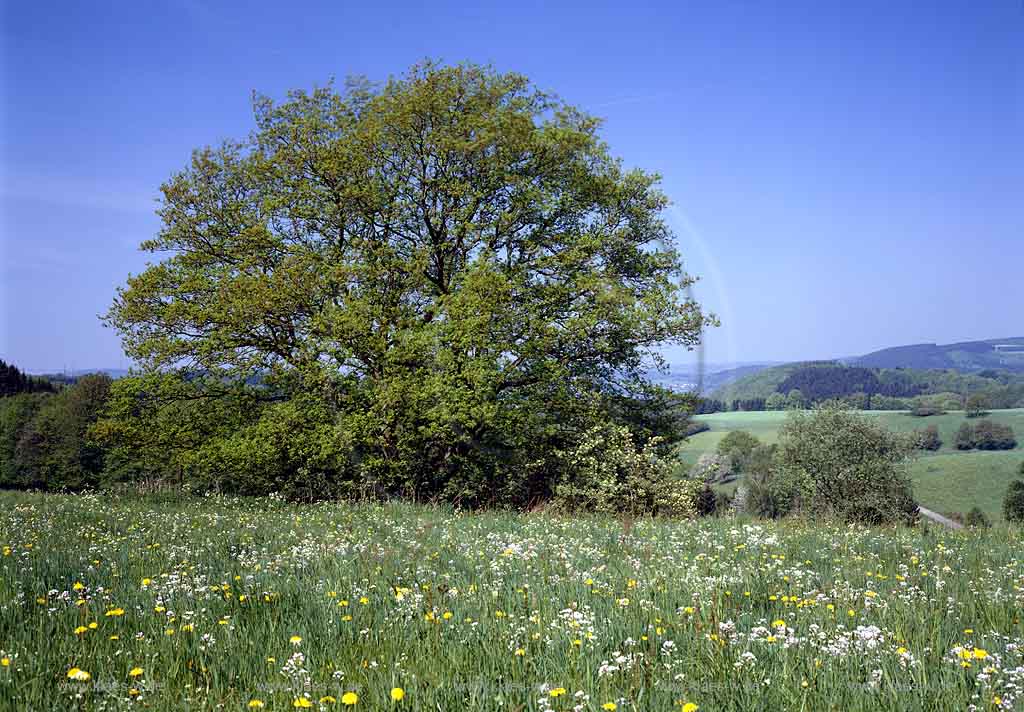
x,y
437,282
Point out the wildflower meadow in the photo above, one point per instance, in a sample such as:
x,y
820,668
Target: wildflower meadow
x,y
235,604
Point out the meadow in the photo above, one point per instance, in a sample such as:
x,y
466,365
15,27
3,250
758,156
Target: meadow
x,y
111,603
947,480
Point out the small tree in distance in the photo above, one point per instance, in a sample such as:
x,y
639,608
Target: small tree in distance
x,y
843,464
976,405
1013,503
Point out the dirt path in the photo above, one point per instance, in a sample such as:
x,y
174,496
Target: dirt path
x,y
936,517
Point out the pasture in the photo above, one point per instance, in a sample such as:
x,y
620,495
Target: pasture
x,y
238,604
946,480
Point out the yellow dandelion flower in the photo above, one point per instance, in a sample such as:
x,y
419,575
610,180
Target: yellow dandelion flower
x,y
557,692
5,662
397,694
610,706
349,698
80,630
980,653
135,672
295,640
78,586
115,612
520,652
690,707
327,700
79,675
302,702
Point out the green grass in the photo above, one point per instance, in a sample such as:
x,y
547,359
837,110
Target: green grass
x,y
946,481
494,611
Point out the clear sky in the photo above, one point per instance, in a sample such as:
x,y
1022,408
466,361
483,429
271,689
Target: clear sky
x,y
846,175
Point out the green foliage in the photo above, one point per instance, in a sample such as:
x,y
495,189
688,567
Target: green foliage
x,y
976,405
13,381
844,464
964,437
985,435
928,438
607,472
446,280
876,388
738,445
1013,503
976,518
706,502
45,440
16,414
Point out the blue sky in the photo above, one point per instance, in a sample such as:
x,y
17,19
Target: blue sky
x,y
845,175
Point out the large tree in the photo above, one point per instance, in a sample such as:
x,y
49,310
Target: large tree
x,y
451,267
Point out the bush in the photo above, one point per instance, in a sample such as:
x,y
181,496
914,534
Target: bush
x,y
707,502
738,445
606,472
964,439
976,518
985,435
976,405
1013,503
16,414
928,438
835,462
989,435
712,467
925,411
45,439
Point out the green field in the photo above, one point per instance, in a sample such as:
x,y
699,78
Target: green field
x,y
237,604
948,480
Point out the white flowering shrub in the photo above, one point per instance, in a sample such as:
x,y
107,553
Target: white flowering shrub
x,y
607,472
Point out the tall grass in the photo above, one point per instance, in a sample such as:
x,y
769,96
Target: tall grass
x,y
222,603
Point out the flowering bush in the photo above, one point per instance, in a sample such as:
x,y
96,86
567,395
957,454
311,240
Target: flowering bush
x,y
607,472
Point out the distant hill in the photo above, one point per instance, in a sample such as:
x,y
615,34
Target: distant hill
x,y
966,356
896,377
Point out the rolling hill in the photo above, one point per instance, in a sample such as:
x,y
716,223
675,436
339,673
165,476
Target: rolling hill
x,y
965,356
994,367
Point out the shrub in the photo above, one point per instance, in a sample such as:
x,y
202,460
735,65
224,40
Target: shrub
x,y
738,446
46,442
925,411
976,518
989,435
712,467
964,439
847,465
16,414
928,438
706,503
606,472
976,405
1013,503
